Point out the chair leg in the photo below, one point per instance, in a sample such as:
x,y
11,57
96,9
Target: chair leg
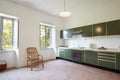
x,y
31,65
27,63
42,64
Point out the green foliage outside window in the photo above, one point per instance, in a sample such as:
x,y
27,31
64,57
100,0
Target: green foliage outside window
x,y
44,36
7,34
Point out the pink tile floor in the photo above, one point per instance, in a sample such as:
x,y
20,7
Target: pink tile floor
x,y
59,70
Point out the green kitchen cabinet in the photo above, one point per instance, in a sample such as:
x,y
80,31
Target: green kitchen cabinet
x,y
78,29
87,31
67,34
68,54
99,29
118,61
62,53
107,64
91,57
83,56
65,53
61,34
107,59
113,27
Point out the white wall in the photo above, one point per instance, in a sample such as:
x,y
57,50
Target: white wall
x,y
9,57
93,12
29,20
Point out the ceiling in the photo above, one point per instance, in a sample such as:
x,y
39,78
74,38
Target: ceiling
x,y
54,7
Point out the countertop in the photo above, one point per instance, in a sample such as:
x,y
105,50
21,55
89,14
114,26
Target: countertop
x,y
90,49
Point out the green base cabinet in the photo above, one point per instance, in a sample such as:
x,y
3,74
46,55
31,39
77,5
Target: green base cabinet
x,y
110,65
62,53
118,61
91,57
65,53
68,54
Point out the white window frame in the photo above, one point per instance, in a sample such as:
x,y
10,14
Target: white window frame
x,y
51,35
14,31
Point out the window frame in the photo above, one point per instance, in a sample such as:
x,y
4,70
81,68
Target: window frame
x,y
45,25
14,33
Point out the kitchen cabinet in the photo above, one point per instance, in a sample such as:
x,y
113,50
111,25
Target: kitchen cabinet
x,y
113,27
87,31
91,57
66,34
62,53
118,61
61,34
65,53
68,54
78,29
107,60
99,29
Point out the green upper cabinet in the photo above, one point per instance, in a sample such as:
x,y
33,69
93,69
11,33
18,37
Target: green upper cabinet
x,y
87,31
118,61
66,34
78,29
91,57
61,34
113,27
99,29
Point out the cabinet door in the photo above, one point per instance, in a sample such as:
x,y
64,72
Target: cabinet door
x,y
61,53
87,31
61,34
99,29
78,29
118,61
68,54
113,27
67,34
106,64
91,57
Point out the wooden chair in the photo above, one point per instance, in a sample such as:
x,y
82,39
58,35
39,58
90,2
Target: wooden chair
x,y
34,57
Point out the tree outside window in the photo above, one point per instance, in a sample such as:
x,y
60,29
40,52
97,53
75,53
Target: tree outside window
x,y
7,34
44,36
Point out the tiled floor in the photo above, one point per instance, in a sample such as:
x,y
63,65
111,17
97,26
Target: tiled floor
x,y
59,70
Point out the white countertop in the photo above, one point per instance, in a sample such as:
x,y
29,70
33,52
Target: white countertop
x,y
97,50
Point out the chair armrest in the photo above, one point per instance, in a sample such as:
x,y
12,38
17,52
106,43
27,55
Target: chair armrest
x,y
29,57
40,56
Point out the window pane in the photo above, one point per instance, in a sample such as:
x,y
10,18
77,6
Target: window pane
x,y
47,36
7,34
42,36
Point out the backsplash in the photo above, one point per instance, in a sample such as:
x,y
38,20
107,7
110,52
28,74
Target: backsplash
x,y
99,41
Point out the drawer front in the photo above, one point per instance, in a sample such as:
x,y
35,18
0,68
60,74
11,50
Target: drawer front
x,y
110,65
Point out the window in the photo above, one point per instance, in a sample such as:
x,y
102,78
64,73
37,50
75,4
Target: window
x,y
8,33
7,39
47,36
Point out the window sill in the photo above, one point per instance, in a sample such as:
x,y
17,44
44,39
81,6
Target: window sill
x,y
3,51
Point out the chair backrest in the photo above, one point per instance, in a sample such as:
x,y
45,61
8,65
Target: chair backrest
x,y
32,51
